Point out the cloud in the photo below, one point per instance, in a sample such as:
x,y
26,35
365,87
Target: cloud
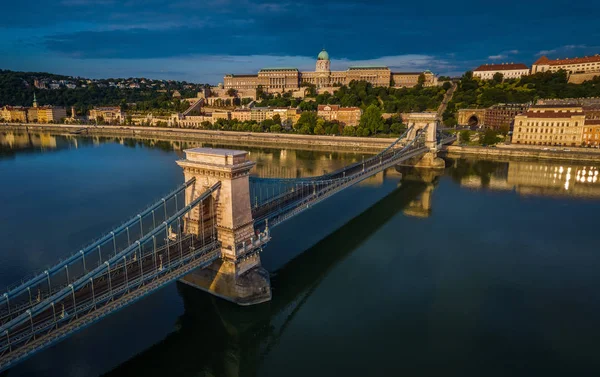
x,y
562,49
503,55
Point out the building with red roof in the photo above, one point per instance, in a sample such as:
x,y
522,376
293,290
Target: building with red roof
x,y
571,65
508,70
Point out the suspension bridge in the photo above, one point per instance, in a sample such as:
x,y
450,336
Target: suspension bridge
x,y
207,233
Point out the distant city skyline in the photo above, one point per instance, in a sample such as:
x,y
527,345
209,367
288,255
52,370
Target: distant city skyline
x,y
200,42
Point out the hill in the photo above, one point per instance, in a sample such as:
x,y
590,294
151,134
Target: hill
x,y
17,88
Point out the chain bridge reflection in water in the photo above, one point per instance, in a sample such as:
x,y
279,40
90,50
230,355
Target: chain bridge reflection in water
x,y
246,335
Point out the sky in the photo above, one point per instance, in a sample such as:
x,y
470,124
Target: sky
x,y
200,41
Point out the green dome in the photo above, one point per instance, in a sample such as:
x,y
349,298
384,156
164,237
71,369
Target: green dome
x,y
323,55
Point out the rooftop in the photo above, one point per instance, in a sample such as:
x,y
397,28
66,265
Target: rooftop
x,y
586,59
500,67
279,69
368,67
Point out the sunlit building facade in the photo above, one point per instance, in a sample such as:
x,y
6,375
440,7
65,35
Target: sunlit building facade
x,y
550,125
286,79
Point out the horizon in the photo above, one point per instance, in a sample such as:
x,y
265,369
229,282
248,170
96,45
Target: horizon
x,y
185,41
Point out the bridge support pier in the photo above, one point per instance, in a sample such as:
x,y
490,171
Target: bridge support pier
x,y
430,121
238,276
431,160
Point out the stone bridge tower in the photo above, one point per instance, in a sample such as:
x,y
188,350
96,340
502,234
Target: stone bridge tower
x,y
238,276
419,121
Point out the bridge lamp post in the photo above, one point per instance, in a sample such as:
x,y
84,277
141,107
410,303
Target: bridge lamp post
x,y
29,290
165,207
141,265
99,255
54,313
74,303
153,220
114,242
180,239
83,258
31,322
126,278
109,283
141,226
67,270
7,302
49,285
93,293
167,241
128,239
8,340
154,251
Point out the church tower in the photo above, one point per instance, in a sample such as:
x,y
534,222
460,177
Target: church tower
x,y
323,63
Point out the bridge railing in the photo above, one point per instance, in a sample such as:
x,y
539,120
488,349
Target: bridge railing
x,y
35,289
152,258
263,190
303,192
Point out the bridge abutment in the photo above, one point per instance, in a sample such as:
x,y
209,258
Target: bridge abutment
x,y
238,276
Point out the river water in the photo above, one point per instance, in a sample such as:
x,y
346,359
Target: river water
x,y
487,269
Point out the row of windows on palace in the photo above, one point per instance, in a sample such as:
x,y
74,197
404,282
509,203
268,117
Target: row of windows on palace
x,y
548,124
541,131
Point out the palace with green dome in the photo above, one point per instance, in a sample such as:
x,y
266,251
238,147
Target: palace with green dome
x,y
285,78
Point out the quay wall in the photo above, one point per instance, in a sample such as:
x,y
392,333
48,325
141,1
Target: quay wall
x,y
514,153
369,144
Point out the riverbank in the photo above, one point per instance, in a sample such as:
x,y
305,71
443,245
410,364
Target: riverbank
x,y
366,144
530,153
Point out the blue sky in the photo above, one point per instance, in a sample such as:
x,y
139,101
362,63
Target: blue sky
x,y
199,41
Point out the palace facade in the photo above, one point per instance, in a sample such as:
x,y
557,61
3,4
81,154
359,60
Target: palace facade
x,y
286,79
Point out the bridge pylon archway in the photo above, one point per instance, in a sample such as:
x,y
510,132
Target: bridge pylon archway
x,y
430,122
238,276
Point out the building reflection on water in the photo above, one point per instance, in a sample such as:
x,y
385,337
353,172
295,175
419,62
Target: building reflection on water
x,y
536,178
525,177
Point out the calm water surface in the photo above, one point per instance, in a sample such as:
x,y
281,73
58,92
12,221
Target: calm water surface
x,y
487,269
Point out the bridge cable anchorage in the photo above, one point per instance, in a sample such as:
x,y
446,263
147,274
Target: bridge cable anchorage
x,y
99,271
16,290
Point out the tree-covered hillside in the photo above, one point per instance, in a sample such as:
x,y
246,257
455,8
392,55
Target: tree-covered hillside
x,y
363,94
475,93
17,88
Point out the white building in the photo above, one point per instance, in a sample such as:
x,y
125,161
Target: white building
x,y
508,70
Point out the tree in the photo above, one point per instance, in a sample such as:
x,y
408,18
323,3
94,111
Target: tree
x,y
498,77
319,128
465,136
490,137
421,80
307,122
450,122
276,128
349,131
231,92
447,85
277,119
371,120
